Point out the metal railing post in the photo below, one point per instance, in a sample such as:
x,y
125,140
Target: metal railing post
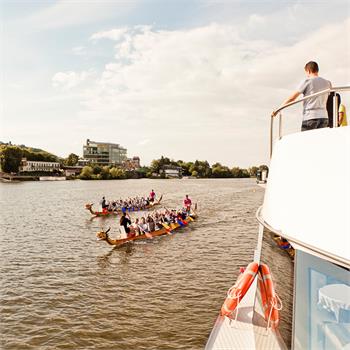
x,y
271,136
335,111
280,126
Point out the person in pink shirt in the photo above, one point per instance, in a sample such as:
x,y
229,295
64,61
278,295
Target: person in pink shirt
x,y
152,196
187,203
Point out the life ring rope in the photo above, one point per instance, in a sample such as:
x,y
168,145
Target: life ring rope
x,y
239,289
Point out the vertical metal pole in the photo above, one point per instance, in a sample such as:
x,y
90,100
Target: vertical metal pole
x,y
271,135
335,110
280,126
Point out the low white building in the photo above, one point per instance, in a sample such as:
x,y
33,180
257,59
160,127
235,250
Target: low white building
x,y
34,165
172,171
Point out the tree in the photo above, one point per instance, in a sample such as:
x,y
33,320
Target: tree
x,y
157,164
11,157
239,173
219,170
105,173
245,173
194,173
86,173
202,168
71,160
253,170
236,172
117,173
96,170
38,155
185,166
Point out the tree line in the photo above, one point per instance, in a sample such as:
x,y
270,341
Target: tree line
x,y
202,169
97,172
11,156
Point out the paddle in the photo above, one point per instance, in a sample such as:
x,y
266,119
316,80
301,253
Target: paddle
x,y
147,234
167,228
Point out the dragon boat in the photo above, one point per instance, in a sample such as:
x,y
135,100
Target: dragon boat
x,y
167,229
119,211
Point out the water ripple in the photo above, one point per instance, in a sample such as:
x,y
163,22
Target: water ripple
x,y
61,289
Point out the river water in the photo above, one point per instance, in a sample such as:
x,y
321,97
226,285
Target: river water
x,y
61,289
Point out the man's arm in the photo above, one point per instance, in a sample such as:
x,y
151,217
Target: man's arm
x,y
291,98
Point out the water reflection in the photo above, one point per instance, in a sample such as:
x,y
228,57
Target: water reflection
x,y
120,255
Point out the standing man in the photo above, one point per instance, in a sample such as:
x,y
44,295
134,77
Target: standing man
x,y
315,114
187,203
125,222
104,204
152,196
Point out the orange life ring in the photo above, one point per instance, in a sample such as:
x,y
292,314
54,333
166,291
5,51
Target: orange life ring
x,y
239,289
271,303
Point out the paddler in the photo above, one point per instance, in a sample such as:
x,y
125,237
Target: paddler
x,y
187,203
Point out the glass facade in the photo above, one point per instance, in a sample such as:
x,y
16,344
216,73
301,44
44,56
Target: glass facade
x,y
104,153
322,304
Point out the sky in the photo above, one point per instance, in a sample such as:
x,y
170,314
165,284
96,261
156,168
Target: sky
x,y
186,79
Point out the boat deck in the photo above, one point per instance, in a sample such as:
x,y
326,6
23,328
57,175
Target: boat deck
x,y
243,333
249,330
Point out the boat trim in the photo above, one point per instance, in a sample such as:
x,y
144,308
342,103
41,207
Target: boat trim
x,y
301,245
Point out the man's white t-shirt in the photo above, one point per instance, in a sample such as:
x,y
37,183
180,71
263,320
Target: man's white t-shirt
x,y
315,107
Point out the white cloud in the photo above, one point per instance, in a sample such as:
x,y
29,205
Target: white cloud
x,y
79,50
70,79
113,34
255,20
67,13
205,90
144,142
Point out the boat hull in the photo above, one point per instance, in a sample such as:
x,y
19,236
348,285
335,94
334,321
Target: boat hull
x,y
161,232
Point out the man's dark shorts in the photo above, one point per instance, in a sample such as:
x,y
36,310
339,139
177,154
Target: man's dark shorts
x,y
314,124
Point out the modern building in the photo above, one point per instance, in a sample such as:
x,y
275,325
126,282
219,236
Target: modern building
x,y
132,163
34,165
104,153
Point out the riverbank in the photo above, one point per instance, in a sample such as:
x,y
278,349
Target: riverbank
x,y
8,178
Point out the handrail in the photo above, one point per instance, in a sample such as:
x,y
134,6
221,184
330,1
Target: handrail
x,y
335,89
277,112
